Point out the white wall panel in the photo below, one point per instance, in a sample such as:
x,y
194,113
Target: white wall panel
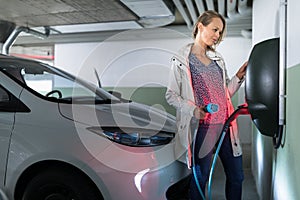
x,y
127,62
293,43
265,20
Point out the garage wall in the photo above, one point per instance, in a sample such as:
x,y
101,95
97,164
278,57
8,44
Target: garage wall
x,y
133,53
276,171
287,162
265,26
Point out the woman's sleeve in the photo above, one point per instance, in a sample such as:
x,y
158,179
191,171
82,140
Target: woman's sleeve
x,y
174,90
234,83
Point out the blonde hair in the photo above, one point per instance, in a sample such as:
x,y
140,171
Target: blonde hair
x,y
206,18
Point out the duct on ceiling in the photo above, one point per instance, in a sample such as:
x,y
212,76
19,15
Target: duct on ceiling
x,y
151,13
234,11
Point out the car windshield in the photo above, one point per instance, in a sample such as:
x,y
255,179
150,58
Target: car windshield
x,y
54,83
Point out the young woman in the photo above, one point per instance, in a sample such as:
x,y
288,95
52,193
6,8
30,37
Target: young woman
x,y
199,77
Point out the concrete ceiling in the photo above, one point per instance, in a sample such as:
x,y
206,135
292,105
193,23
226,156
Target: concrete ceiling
x,y
95,20
34,13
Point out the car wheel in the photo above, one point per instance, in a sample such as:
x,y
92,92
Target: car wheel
x,y
60,185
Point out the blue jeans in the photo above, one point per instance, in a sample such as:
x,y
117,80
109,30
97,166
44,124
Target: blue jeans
x,y
233,166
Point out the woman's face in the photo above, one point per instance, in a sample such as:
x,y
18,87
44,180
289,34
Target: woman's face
x,y
209,35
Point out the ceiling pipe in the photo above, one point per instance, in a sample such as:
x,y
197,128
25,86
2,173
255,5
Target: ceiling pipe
x,y
243,8
183,13
231,9
246,33
200,6
210,4
191,9
221,7
13,36
238,8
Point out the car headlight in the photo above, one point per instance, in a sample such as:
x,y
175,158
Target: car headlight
x,y
134,136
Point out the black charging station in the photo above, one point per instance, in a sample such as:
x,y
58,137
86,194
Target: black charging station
x,y
262,86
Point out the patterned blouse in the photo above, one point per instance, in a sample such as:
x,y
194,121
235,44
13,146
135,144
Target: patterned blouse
x,y
208,88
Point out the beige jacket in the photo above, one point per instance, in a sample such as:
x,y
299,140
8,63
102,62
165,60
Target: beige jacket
x,y
180,94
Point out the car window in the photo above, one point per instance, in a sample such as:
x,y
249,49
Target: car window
x,y
9,103
47,82
4,96
53,83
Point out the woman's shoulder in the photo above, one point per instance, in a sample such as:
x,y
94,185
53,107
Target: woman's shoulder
x,y
182,54
185,50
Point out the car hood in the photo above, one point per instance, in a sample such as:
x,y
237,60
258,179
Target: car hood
x,y
119,114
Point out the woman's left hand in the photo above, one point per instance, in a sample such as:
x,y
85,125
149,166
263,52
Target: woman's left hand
x,y
242,71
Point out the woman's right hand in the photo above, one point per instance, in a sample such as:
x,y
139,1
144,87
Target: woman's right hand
x,y
199,113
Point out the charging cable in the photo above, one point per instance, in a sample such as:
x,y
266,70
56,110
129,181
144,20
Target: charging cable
x,y
242,110
209,108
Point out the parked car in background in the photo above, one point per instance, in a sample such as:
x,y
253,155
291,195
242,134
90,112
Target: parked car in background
x,y
64,138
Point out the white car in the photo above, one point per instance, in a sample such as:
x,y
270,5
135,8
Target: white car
x,y
63,138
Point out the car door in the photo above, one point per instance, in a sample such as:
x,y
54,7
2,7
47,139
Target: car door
x,y
9,105
6,126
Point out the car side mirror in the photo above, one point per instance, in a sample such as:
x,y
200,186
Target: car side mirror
x,y
119,96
